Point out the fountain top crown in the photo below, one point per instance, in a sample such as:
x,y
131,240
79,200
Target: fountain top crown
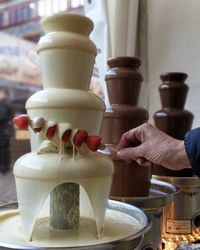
x,y
67,31
67,22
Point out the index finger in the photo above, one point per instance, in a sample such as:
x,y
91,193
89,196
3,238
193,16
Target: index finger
x,y
130,138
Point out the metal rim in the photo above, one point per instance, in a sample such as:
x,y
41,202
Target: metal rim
x,y
161,194
193,181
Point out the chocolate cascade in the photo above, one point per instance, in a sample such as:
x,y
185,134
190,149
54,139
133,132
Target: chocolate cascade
x,y
123,83
173,119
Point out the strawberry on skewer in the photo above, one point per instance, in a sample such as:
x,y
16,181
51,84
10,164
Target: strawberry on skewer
x,y
21,121
37,130
66,135
93,142
37,124
51,129
80,137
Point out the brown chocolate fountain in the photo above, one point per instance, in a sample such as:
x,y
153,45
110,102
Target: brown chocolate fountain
x,y
173,119
123,83
180,218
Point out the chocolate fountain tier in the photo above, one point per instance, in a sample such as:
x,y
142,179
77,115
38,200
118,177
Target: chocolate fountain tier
x,y
128,179
118,119
173,121
123,80
173,77
173,90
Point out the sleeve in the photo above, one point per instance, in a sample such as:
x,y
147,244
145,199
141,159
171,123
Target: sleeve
x,y
192,147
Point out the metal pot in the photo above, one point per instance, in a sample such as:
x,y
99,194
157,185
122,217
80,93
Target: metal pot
x,y
181,218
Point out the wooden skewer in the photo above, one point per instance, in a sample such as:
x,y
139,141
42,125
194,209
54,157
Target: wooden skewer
x,y
112,148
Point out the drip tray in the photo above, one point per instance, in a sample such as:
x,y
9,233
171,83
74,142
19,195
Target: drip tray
x,y
161,193
131,241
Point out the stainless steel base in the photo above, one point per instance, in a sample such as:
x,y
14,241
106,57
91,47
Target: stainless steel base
x,y
161,194
181,218
129,243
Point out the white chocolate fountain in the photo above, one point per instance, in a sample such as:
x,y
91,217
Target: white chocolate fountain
x,y
67,57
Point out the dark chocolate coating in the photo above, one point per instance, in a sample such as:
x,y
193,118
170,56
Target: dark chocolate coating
x,y
123,80
172,118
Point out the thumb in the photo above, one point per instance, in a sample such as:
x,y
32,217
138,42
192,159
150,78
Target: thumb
x,y
129,153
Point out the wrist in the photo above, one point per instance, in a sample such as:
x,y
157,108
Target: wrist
x,y
181,160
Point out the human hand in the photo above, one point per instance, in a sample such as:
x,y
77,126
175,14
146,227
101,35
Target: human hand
x,y
152,146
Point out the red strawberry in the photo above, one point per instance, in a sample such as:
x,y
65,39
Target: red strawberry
x,y
37,130
21,121
51,131
66,135
80,137
93,142
37,124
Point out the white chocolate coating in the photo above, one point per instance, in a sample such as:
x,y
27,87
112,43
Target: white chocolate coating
x,y
67,57
50,166
117,226
33,193
76,65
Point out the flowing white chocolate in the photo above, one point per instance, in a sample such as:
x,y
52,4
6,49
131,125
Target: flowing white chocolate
x,y
117,225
